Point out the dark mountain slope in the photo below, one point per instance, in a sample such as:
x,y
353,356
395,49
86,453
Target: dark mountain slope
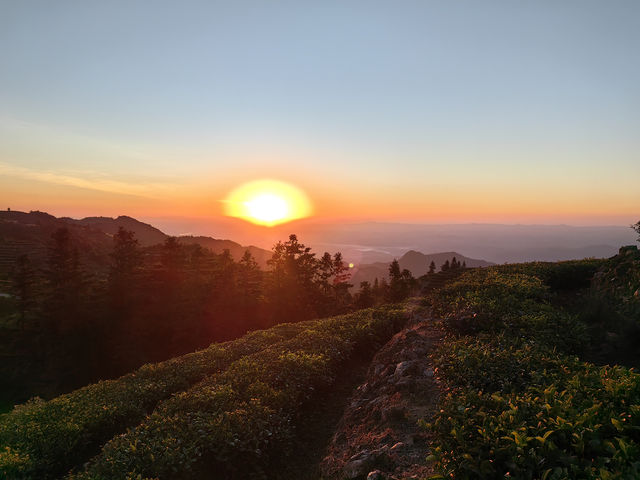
x,y
30,233
146,234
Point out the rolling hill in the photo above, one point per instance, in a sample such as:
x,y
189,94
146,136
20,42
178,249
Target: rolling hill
x,y
29,233
416,262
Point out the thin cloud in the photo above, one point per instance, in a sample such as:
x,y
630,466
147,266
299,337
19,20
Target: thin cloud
x,y
149,190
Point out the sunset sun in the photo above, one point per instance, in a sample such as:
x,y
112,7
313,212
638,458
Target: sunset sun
x,y
267,202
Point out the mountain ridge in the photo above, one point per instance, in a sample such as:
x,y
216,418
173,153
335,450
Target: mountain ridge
x,y
414,261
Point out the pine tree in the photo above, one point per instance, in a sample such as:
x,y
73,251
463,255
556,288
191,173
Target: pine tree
x,y
432,268
292,287
341,283
397,283
364,298
445,266
23,277
126,261
249,280
65,286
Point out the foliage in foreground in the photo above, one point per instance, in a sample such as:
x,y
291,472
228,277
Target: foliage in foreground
x,y
518,402
619,282
41,438
243,407
241,423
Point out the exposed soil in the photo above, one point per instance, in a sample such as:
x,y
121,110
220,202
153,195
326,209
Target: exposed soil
x,y
378,436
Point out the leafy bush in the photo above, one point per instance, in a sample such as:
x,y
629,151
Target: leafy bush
x,y
517,402
567,275
42,439
496,364
585,423
241,422
618,281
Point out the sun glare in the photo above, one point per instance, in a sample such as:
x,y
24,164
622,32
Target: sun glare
x,y
267,202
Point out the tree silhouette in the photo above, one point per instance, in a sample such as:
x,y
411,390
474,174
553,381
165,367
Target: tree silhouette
x,y
364,298
64,281
445,266
291,286
636,227
432,268
249,280
23,276
398,282
126,261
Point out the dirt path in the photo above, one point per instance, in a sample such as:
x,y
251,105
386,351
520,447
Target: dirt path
x,y
378,436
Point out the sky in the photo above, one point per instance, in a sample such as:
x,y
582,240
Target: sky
x,y
413,111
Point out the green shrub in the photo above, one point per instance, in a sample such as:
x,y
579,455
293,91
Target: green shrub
x,y
46,439
585,423
518,403
240,423
567,275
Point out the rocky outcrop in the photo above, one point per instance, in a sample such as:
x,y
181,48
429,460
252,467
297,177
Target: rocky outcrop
x,y
378,436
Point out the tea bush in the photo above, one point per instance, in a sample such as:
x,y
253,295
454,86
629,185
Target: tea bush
x,y
567,275
241,422
583,422
42,439
518,403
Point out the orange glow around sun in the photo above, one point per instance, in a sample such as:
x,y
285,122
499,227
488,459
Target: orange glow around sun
x,y
267,202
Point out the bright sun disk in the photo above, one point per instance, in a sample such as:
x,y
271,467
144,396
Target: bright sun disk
x,y
267,202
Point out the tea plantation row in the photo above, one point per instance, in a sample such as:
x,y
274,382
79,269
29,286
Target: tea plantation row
x,y
237,401
519,402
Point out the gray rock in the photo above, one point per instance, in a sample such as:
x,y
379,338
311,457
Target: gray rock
x,y
405,368
356,468
394,413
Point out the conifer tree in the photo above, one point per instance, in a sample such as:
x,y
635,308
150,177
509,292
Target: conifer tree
x,y
398,288
432,268
126,261
249,278
64,282
291,286
23,277
364,298
636,227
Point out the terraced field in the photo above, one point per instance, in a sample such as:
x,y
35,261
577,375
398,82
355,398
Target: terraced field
x,y
228,408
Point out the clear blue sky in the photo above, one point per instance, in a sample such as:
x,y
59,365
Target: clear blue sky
x,y
538,101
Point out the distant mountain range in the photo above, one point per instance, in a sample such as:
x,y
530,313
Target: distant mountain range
x,y
416,262
30,233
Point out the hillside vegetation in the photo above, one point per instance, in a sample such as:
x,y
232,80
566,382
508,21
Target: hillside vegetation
x,y
519,399
519,390
239,419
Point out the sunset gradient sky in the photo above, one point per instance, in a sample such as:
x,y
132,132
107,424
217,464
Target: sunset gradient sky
x,y
419,111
